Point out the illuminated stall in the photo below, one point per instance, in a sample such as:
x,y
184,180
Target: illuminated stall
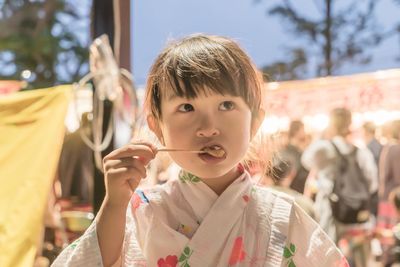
x,y
371,97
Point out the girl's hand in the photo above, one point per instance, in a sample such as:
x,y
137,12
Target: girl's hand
x,y
123,170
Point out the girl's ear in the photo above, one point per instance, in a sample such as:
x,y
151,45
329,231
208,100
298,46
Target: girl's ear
x,y
257,121
155,128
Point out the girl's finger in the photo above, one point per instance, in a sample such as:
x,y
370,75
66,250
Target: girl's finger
x,y
142,142
126,167
138,165
118,163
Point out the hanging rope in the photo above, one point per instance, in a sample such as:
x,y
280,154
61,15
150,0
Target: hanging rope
x,y
112,84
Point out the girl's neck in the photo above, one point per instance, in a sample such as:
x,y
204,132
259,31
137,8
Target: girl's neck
x,y
219,184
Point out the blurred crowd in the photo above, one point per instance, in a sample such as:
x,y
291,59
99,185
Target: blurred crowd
x,y
361,165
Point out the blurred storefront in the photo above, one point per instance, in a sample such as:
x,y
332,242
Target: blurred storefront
x,y
371,97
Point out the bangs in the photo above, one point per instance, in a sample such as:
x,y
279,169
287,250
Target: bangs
x,y
188,81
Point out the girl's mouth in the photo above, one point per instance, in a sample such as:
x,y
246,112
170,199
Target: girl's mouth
x,y
213,153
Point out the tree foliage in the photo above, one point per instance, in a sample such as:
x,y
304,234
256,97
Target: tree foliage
x,y
293,69
338,35
42,36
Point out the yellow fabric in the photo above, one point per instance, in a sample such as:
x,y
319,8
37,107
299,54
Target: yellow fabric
x,y
31,136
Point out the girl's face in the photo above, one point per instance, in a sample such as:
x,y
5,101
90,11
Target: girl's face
x,y
206,121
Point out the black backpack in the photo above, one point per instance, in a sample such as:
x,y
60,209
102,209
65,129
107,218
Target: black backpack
x,y
350,197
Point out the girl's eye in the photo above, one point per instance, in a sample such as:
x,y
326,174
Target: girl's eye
x,y
227,105
185,108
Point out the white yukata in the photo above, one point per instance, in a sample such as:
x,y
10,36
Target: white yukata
x,y
184,223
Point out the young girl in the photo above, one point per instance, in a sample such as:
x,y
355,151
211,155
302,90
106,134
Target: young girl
x,y
204,97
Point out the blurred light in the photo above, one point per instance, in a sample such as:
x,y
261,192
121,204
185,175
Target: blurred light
x,y
274,124
26,74
380,117
273,86
321,121
357,120
318,122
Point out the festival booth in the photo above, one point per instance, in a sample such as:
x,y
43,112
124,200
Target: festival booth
x,y
371,97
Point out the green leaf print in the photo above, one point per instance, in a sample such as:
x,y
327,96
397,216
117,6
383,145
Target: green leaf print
x,y
292,248
288,254
75,243
183,259
186,177
291,264
186,251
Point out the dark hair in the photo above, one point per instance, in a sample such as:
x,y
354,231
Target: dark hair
x,y
395,197
295,127
340,120
199,63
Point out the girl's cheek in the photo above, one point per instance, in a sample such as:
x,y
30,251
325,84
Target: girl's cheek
x,y
182,123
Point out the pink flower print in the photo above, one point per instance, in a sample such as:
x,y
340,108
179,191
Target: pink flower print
x,y
240,168
138,198
246,198
135,202
238,254
343,262
169,261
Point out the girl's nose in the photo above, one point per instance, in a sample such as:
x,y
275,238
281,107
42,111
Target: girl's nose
x,y
207,128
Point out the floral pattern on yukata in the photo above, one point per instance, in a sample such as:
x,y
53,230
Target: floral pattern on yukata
x,y
186,177
288,254
169,261
185,256
238,253
75,243
343,262
137,199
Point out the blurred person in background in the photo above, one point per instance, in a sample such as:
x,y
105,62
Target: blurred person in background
x,y
389,176
389,167
297,141
322,156
373,144
394,250
280,176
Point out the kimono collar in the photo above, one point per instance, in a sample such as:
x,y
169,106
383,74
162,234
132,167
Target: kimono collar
x,y
201,197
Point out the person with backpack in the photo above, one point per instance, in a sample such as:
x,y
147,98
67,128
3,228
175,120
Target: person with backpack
x,y
347,176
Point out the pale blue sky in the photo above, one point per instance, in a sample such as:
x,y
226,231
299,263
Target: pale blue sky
x,y
263,37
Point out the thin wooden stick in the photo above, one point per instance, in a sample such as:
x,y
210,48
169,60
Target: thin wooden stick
x,y
179,150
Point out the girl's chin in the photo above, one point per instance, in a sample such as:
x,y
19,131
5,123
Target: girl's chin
x,y
209,173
